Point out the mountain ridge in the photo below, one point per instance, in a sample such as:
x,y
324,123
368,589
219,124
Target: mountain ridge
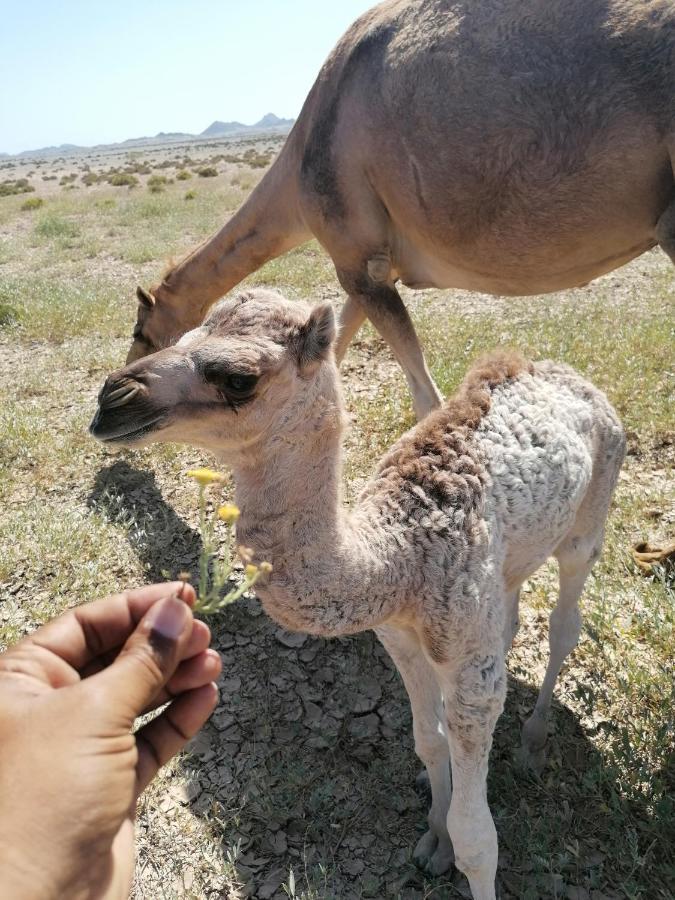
x,y
269,122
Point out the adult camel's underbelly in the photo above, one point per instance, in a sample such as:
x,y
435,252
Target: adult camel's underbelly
x,y
503,273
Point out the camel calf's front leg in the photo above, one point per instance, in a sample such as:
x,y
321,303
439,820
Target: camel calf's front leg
x,y
434,850
474,697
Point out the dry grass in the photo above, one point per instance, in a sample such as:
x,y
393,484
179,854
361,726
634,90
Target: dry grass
x,y
308,764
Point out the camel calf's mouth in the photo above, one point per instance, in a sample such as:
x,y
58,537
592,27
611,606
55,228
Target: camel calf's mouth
x,y
125,413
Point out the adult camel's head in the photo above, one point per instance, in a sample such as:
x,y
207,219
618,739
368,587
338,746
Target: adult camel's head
x,y
244,377
156,325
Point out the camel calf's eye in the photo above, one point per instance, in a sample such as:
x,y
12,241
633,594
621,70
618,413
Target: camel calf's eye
x,y
239,384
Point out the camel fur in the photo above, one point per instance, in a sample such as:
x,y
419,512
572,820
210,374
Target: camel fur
x,y
519,465
511,147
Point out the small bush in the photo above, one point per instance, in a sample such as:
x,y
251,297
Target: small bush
x,y
120,179
19,186
52,226
9,315
90,178
207,172
157,183
183,175
32,203
190,195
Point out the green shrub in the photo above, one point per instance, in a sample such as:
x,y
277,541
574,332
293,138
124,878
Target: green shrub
x,y
90,178
32,203
9,315
53,226
190,195
207,172
18,186
183,175
120,179
157,183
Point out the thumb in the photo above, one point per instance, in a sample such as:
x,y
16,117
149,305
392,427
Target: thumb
x,y
148,659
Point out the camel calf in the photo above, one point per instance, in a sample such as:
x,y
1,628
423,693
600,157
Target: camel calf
x,y
519,465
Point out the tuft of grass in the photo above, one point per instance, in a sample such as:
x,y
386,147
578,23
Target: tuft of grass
x,y
190,195
183,175
32,203
53,226
121,179
50,310
157,183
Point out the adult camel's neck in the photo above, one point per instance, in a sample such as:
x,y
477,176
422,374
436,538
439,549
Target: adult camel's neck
x,y
267,225
333,570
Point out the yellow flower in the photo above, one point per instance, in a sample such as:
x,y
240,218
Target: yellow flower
x,y
250,571
229,513
265,568
206,476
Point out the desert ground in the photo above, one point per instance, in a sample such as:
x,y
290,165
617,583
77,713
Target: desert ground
x,y
303,783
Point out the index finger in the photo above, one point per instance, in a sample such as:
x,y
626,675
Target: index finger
x,y
85,632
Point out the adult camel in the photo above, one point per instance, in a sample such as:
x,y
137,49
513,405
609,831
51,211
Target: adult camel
x,y
505,146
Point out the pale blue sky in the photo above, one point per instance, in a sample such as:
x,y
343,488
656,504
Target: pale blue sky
x,y
93,72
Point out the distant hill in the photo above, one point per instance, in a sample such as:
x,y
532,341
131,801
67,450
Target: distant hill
x,y
269,122
272,121
216,128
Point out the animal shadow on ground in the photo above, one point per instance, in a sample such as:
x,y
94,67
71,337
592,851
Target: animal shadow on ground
x,y
308,762
130,497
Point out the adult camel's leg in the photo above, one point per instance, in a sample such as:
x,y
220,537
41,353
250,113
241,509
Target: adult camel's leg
x,y
352,318
382,304
665,231
665,227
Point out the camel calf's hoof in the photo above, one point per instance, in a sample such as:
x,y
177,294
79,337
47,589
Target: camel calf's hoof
x,y
433,856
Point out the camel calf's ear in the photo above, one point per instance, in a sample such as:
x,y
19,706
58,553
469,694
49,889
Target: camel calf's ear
x,y
145,298
315,338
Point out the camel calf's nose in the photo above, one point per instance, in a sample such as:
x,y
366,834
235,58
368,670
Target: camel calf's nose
x,y
118,392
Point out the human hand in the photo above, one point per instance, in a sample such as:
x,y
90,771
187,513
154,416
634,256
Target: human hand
x,y
71,771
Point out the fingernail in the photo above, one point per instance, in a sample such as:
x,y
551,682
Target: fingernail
x,y
168,618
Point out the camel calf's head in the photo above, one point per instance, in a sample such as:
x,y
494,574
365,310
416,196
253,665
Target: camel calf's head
x,y
243,377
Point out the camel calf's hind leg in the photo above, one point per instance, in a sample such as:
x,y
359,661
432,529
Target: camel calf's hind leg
x,y
576,555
